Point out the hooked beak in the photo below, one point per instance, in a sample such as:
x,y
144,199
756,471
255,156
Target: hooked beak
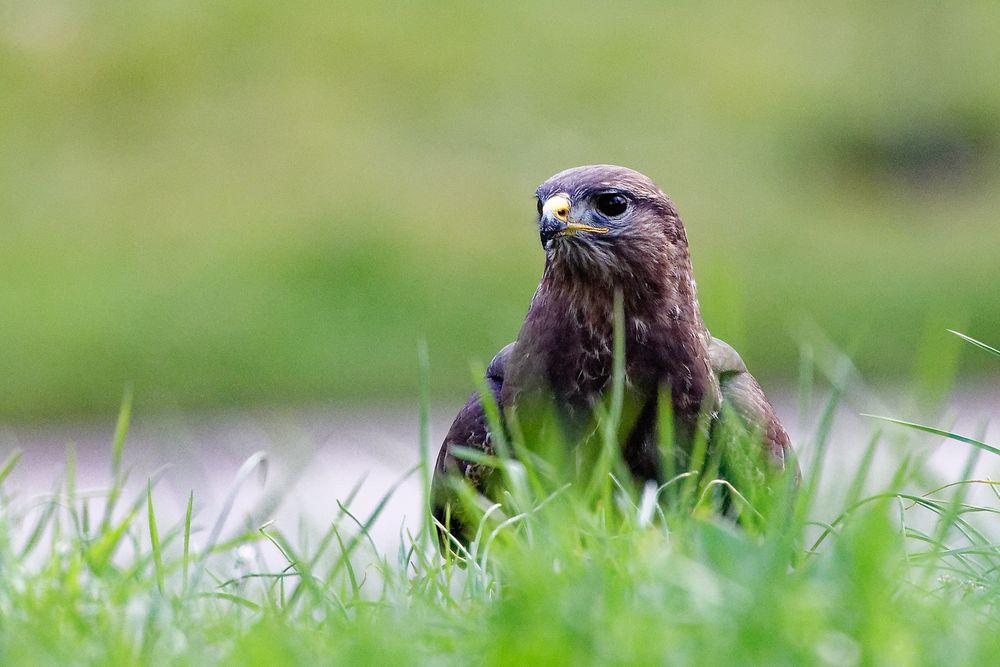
x,y
555,220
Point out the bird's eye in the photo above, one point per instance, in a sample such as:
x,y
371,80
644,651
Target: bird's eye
x,y
612,204
539,207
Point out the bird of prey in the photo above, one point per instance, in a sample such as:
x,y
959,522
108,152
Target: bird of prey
x,y
609,233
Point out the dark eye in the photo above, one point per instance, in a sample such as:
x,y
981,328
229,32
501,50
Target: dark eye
x,y
539,207
611,204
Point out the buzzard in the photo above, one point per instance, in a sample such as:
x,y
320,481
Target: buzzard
x,y
610,236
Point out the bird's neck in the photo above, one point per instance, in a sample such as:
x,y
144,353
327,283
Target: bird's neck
x,y
567,339
653,287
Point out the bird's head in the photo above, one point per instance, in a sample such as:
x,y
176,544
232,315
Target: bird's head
x,y
600,215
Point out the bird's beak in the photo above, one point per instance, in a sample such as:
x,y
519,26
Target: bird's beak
x,y
555,220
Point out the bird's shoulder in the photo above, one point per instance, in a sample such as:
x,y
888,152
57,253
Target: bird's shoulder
x,y
497,369
724,359
471,426
739,388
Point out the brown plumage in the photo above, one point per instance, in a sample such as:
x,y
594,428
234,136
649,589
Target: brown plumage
x,y
609,230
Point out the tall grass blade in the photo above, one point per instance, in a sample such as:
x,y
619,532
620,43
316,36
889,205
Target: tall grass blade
x,y
186,556
117,450
423,358
365,526
121,430
981,345
666,436
936,431
154,538
245,470
39,528
9,464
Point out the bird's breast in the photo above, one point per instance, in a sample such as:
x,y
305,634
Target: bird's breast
x,y
565,356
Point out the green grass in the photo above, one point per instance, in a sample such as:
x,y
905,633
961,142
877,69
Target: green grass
x,y
881,569
232,204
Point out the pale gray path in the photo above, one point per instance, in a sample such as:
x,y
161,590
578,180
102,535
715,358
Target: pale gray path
x,y
317,457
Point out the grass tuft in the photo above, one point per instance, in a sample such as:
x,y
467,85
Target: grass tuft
x,y
859,567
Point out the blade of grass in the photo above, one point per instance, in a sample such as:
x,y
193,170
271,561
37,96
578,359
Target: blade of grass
x,y
39,529
600,482
936,431
244,472
979,344
423,359
9,464
154,537
186,558
367,524
666,436
864,467
117,450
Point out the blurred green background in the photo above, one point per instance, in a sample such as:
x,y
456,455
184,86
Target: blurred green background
x,y
239,203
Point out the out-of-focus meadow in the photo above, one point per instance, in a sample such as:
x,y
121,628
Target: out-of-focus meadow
x,y
235,203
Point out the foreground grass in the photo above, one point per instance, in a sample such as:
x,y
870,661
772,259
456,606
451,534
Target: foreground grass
x,y
884,575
